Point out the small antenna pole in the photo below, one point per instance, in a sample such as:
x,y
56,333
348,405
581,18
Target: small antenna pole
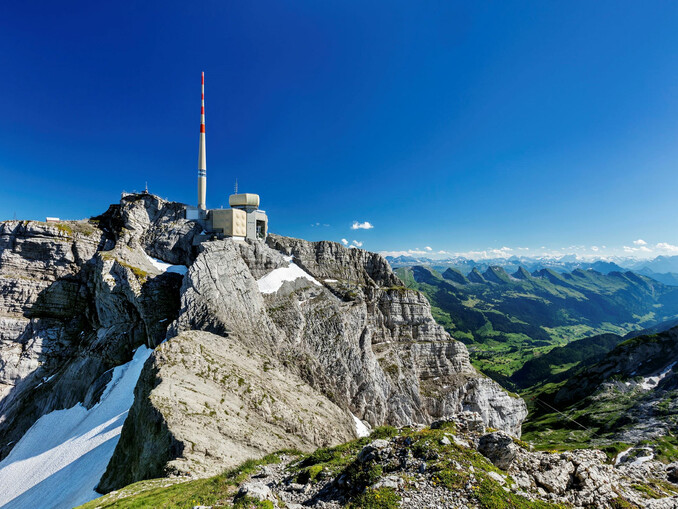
x,y
236,186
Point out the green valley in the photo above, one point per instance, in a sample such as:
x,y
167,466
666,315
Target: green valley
x,y
509,320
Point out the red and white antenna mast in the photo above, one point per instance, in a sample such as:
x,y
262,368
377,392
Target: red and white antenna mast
x,y
202,166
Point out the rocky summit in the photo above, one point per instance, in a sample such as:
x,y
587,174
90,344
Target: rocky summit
x,y
256,346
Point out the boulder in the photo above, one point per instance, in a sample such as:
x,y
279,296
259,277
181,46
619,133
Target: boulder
x,y
499,448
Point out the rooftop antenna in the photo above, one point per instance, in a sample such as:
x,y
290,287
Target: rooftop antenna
x,y
146,188
236,186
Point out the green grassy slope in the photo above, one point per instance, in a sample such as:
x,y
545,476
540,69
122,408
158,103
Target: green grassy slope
x,y
599,402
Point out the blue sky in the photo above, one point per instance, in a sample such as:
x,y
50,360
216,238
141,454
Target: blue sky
x,y
461,126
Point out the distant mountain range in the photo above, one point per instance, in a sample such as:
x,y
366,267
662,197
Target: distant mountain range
x,y
508,319
661,268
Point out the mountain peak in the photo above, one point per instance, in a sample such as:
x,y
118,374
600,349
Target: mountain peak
x,y
496,274
455,276
475,276
521,273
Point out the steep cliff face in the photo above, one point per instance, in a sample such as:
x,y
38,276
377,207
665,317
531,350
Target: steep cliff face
x,y
74,303
268,345
410,369
39,264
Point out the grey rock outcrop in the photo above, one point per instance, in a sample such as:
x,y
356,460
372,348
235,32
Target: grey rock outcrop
x,y
499,448
371,349
331,260
205,403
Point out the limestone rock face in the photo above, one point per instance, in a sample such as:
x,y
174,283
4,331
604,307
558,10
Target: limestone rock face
x,y
373,350
39,264
330,260
219,294
156,225
222,404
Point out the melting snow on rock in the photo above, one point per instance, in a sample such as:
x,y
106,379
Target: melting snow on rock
x,y
638,459
60,459
272,281
651,382
361,428
167,267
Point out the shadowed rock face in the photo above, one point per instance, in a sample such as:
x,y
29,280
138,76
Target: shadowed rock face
x,y
73,305
307,354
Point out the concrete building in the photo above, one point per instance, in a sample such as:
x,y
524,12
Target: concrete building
x,y
257,220
243,220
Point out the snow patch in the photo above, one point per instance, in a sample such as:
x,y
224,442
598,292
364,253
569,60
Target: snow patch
x,y
331,281
45,380
361,429
638,460
651,382
167,267
621,456
642,459
272,281
61,458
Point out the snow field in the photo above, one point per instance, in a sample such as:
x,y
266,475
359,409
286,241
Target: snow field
x,y
272,281
166,267
60,459
360,428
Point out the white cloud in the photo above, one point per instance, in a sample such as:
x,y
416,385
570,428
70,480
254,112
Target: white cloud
x,y
665,246
366,225
344,242
594,248
639,242
357,244
428,248
641,249
409,252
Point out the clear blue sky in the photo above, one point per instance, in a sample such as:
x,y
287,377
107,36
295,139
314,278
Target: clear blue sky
x,y
455,125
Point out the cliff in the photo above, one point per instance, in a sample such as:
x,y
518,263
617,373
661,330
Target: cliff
x,y
268,346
